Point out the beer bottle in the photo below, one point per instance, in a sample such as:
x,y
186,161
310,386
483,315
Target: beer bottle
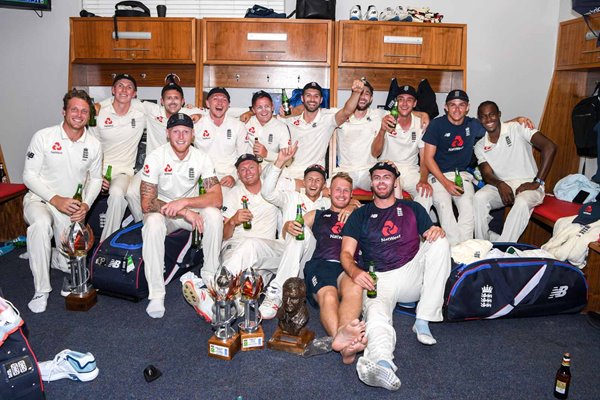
x,y
108,176
563,378
285,103
372,293
3,177
196,239
248,224
259,158
201,189
300,219
79,193
92,120
394,111
458,180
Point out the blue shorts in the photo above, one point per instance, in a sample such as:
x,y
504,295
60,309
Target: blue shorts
x,y
318,274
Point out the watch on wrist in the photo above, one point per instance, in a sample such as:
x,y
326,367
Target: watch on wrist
x,y
538,180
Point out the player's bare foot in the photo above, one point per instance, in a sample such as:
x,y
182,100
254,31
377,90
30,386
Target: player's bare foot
x,y
349,352
346,334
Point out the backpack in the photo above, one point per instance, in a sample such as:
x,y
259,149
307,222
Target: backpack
x,y
585,116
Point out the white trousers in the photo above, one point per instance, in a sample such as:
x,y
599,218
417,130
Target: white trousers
x,y
264,255
409,177
44,221
488,198
157,226
423,279
134,197
456,230
361,179
117,204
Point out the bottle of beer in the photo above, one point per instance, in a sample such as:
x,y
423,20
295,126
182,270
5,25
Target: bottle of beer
x,y
372,293
394,111
108,176
259,158
458,180
79,193
196,239
300,219
285,103
563,378
3,177
201,189
248,224
92,120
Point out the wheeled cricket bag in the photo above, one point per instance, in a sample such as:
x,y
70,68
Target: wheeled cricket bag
x,y
117,267
513,287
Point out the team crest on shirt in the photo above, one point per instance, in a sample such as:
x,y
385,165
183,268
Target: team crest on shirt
x,y
56,148
133,122
228,134
413,136
270,138
399,211
168,169
86,153
252,130
191,173
146,169
205,134
108,122
508,142
160,119
467,131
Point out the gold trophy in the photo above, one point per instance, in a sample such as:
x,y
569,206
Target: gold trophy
x,y
226,341
252,335
76,241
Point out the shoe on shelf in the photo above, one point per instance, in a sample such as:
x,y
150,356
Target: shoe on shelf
x,y
10,319
70,364
371,14
271,303
389,14
403,14
355,13
197,296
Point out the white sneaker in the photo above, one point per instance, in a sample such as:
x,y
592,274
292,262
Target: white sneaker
x,y
197,296
355,13
70,364
374,374
271,303
403,14
10,319
39,302
389,14
371,14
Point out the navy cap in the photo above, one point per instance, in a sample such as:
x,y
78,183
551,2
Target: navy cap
x,y
457,94
171,86
180,119
221,90
407,89
246,157
313,85
316,168
588,213
125,76
387,165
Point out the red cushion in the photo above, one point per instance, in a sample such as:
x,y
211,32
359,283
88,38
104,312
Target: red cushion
x,y
8,190
553,208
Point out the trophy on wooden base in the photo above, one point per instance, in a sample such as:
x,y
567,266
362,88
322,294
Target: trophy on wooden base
x,y
291,334
226,341
76,241
252,335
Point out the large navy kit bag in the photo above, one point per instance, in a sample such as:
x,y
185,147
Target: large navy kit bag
x,y
513,287
117,266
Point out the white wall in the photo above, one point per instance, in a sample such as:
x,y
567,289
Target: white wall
x,y
511,45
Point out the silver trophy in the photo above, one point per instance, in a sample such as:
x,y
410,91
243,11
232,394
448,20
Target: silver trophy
x,y
252,335
226,341
76,240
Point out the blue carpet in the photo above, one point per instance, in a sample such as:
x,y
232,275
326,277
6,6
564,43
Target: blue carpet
x,y
505,359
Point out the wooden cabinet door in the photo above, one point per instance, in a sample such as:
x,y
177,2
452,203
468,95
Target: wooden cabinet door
x,y
574,48
158,40
227,41
386,43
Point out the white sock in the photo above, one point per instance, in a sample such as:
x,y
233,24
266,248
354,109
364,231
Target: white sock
x,y
156,308
39,302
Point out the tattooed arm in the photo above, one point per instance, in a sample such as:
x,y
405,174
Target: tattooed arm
x,y
150,201
213,196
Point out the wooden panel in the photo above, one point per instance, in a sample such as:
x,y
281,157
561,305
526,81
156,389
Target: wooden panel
x,y
12,223
573,48
145,75
440,81
592,274
171,39
248,76
226,41
363,42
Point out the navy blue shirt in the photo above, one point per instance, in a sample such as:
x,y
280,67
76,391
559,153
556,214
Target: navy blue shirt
x,y
454,142
390,237
328,232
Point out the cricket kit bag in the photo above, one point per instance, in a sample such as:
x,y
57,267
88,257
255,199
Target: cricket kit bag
x,y
117,267
513,287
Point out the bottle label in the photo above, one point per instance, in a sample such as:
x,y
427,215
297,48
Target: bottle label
x,y
561,387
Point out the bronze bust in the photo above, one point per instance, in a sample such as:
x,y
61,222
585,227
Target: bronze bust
x,y
293,315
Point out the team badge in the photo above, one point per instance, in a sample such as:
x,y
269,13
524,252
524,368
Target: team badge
x,y
191,174
133,122
508,141
399,211
228,134
270,138
85,153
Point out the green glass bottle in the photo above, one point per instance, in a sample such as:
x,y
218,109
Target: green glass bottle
x,y
79,193
285,103
92,120
248,224
300,219
108,176
394,111
458,181
372,293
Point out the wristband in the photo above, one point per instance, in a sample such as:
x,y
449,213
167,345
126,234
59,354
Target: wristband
x,y
538,180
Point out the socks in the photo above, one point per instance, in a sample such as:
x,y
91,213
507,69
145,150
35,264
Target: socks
x,y
384,364
424,336
39,302
156,308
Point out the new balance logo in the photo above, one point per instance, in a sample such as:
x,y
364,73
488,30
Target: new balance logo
x,y
558,291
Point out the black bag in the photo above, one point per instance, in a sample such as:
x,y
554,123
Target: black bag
x,y
129,9
314,9
96,217
392,94
426,101
586,7
514,287
111,274
257,11
20,377
585,116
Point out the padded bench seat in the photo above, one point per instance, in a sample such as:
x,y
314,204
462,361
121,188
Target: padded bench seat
x,y
552,209
12,223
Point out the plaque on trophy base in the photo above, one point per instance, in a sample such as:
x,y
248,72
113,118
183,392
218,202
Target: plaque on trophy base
x,y
291,343
224,349
81,302
253,340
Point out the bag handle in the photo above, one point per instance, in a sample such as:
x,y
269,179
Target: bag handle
x,y
131,3
114,241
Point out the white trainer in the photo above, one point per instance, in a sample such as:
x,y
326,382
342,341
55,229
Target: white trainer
x,y
371,14
374,374
197,295
389,14
70,364
271,303
355,13
10,319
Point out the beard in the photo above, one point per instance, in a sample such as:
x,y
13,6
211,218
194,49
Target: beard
x,y
385,195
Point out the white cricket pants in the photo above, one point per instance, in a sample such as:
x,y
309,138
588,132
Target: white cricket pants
x,y
134,197
117,204
409,177
264,255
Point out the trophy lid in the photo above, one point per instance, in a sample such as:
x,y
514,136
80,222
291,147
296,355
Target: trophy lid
x,y
76,239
